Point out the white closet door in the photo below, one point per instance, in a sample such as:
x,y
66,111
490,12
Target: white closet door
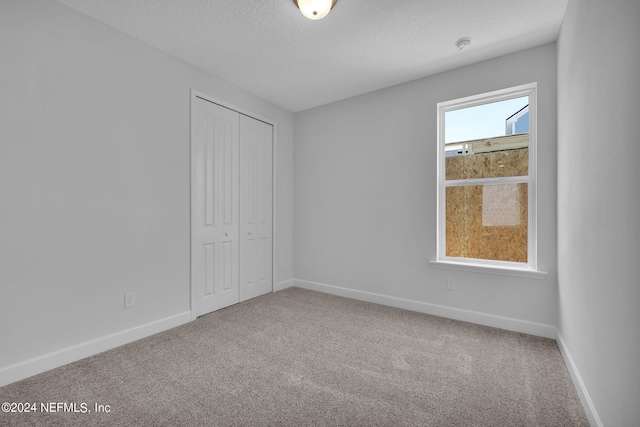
x,y
256,187
214,206
229,205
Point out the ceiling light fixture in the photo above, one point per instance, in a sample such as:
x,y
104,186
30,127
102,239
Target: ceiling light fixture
x,y
462,43
315,9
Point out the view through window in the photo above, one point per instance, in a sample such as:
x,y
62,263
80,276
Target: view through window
x,y
485,177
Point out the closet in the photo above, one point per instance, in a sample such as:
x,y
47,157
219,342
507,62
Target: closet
x,y
231,207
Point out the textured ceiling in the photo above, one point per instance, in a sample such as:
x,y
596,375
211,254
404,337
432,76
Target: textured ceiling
x,y
269,48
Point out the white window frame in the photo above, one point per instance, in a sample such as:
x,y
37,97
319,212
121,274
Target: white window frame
x,y
519,269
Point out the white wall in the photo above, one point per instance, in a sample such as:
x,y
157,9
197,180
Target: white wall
x,y
365,195
94,181
599,203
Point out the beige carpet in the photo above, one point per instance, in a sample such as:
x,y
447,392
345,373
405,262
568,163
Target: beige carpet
x,y
298,357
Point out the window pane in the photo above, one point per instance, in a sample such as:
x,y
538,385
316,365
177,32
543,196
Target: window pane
x,y
489,120
488,141
487,222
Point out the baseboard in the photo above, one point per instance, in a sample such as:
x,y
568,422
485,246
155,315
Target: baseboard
x,y
585,399
283,285
508,323
37,365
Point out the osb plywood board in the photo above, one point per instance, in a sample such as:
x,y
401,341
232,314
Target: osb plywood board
x,y
488,165
471,238
455,167
455,227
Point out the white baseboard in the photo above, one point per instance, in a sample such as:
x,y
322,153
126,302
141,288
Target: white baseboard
x,y
37,365
585,399
283,285
508,323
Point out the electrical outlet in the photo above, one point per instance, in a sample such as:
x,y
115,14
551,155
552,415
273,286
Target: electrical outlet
x,y
129,299
451,284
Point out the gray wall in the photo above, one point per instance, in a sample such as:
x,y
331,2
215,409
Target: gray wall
x,y
365,192
94,179
599,202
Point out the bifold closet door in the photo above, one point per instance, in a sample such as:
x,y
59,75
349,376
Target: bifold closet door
x,y
215,199
256,226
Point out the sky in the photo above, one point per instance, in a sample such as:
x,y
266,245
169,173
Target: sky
x,y
482,121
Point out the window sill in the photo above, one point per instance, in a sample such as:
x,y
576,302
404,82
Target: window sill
x,y
527,273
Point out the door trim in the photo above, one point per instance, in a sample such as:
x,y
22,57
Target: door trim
x,y
193,96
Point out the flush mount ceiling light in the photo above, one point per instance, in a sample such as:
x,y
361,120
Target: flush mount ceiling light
x,y
463,42
315,9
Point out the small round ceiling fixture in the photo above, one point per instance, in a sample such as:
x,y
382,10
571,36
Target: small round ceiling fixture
x,y
463,42
315,9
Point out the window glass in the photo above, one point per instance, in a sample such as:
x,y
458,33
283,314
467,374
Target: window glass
x,y
486,204
487,222
487,141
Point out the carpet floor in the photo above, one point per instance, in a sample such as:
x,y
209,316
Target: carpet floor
x,y
298,357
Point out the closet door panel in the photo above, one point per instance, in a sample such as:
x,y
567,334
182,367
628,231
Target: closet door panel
x,y
229,205
214,206
256,187
204,217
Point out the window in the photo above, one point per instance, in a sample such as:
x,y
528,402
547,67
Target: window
x,y
487,185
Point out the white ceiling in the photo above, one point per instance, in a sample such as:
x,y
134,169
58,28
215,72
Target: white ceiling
x,y
269,48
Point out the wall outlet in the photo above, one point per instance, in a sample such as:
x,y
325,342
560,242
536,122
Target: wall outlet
x,y
129,299
451,284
